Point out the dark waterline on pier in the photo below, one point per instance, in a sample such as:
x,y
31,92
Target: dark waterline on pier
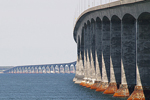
x,y
46,87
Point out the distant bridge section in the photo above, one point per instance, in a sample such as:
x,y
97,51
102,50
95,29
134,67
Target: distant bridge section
x,y
4,68
46,68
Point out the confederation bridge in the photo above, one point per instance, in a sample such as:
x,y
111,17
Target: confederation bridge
x,y
47,68
113,44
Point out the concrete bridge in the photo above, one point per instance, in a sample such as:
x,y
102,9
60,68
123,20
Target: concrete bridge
x,y
113,49
47,68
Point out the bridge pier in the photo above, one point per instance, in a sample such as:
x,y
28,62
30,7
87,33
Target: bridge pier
x,y
79,71
128,57
115,55
92,53
77,64
98,74
84,38
142,88
88,50
105,55
88,72
84,82
98,52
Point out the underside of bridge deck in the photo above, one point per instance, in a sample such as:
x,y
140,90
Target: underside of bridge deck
x,y
115,49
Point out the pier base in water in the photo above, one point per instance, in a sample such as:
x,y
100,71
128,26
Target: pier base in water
x,y
74,79
83,83
102,87
88,84
95,85
112,88
137,94
123,91
78,81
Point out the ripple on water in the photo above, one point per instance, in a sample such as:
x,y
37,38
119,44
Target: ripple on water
x,y
46,87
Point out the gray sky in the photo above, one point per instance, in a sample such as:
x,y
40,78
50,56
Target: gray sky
x,y
39,31
36,32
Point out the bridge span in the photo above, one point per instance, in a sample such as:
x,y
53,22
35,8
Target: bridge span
x,y
113,49
47,68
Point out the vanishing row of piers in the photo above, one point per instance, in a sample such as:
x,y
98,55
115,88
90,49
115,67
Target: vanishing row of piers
x,y
113,49
51,68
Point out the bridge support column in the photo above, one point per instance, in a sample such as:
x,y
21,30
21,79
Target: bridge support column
x,y
142,88
88,50
88,72
86,59
105,55
128,57
115,55
98,75
112,88
83,83
104,84
77,69
92,52
98,53
92,73
80,72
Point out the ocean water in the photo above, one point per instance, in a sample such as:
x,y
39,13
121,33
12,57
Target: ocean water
x,y
46,87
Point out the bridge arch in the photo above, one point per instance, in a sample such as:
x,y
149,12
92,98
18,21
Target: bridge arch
x,y
43,69
36,69
26,69
32,69
62,69
48,69
115,18
67,69
72,69
29,69
56,69
92,20
98,20
52,69
40,69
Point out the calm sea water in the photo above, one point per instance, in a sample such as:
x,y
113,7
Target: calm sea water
x,y
46,87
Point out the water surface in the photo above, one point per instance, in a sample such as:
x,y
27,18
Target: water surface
x,y
46,87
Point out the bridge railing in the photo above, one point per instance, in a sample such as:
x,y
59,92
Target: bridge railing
x,y
83,5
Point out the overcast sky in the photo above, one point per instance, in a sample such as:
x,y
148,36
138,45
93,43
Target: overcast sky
x,y
37,32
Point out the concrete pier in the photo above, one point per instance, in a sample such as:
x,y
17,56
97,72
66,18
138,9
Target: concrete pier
x,y
116,48
115,55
